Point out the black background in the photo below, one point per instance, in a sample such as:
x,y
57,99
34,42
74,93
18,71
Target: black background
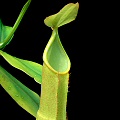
x,y
29,42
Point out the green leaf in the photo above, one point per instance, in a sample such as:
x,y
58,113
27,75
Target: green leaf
x,y
24,97
55,77
32,69
6,33
67,14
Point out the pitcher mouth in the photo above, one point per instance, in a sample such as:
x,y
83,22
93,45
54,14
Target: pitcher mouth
x,y
54,55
